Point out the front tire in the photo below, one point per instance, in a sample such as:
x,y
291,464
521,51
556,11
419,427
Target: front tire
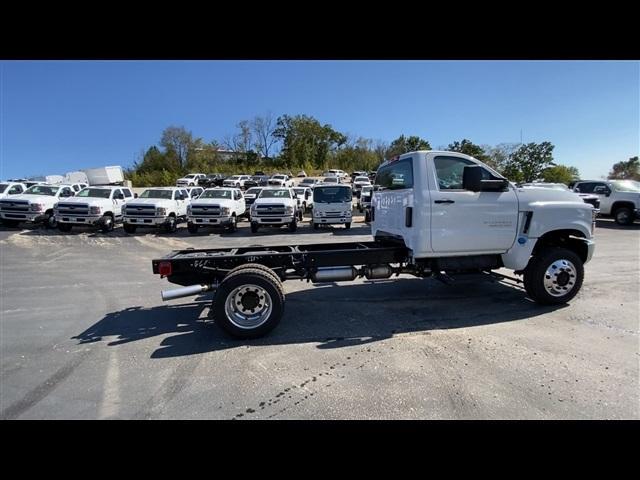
x,y
624,216
254,227
50,221
553,276
293,226
128,228
64,227
347,225
171,226
193,228
367,216
315,226
234,224
107,224
249,303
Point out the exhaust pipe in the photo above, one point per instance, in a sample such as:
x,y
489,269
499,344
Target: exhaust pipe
x,y
184,292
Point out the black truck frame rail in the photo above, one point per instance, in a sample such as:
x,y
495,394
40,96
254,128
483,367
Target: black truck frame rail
x,y
311,262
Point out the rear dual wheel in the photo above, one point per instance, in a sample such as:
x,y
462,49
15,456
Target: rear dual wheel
x,y
249,302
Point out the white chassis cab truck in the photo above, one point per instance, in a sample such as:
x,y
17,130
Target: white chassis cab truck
x,y
216,207
332,205
93,206
35,205
160,207
435,214
275,207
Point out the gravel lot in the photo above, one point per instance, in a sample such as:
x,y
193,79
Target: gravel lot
x,y
84,334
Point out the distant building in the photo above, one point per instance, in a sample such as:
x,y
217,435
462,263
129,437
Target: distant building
x,y
227,155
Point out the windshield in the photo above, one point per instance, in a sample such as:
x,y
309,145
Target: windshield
x,y
3,187
299,191
366,190
362,179
256,177
94,192
308,180
191,175
330,180
332,195
275,194
162,194
253,191
42,190
278,177
626,186
216,194
235,177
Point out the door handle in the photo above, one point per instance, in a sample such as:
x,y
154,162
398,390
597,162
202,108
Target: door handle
x,y
444,201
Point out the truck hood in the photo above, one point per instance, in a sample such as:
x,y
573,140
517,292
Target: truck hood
x,y
87,201
186,180
158,202
532,196
47,199
223,202
276,201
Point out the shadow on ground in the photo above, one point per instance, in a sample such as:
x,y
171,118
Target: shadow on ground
x,y
331,315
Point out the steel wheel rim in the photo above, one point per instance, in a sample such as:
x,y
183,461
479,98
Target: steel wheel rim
x,y
560,278
622,216
248,314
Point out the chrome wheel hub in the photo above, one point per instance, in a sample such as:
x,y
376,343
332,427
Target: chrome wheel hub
x,y
560,278
248,306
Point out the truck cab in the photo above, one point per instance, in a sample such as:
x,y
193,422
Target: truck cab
x,y
618,198
216,207
93,206
448,205
158,207
331,205
280,180
191,180
35,205
9,189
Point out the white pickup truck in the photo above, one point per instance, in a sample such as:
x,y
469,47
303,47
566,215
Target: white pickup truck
x,y
435,214
216,207
618,198
156,207
93,206
191,180
280,180
35,205
305,199
275,207
236,181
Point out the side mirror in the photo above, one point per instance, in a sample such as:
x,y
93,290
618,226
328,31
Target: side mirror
x,y
135,195
472,180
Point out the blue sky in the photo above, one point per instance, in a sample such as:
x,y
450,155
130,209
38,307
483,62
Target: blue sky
x,y
58,116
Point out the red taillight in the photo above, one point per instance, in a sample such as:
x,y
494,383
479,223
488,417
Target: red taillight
x,y
164,268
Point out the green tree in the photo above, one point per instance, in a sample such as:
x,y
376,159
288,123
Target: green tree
x,y
469,148
528,162
404,144
305,141
629,170
177,142
560,174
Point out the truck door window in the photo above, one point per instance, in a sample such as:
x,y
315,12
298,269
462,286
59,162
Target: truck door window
x,y
127,193
15,189
396,175
449,172
586,187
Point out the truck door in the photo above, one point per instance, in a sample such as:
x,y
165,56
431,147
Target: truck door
x,y
463,221
117,202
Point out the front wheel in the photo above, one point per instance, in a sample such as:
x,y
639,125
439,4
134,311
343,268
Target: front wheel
x,y
624,216
171,226
193,228
347,225
254,227
129,228
65,227
107,224
248,303
553,276
367,216
293,226
50,221
315,226
233,226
